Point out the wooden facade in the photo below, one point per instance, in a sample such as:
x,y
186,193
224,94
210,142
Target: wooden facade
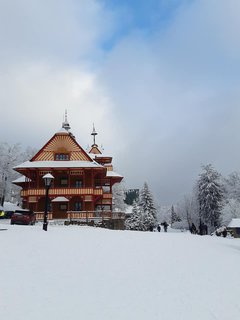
x,y
82,185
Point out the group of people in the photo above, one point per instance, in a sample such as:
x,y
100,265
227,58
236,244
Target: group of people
x,y
203,229
165,226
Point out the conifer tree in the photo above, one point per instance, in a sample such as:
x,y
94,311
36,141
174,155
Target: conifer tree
x,y
118,192
210,196
134,222
147,208
174,216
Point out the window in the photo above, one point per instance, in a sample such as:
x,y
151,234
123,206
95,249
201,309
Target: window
x,y
63,207
61,156
78,184
63,181
77,206
106,189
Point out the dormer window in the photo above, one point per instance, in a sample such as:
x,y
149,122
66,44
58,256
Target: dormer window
x,y
62,156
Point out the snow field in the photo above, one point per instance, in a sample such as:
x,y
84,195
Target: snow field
x,y
89,273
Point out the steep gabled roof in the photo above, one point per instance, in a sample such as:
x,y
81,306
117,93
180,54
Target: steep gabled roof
x,y
62,142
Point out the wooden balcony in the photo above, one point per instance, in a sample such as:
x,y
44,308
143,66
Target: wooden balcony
x,y
62,191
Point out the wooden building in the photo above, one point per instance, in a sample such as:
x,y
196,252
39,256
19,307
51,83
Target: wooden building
x,y
82,185
234,228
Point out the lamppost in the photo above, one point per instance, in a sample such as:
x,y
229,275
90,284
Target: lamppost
x,y
48,178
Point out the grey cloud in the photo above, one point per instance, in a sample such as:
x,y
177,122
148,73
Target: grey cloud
x,y
52,30
164,103
178,95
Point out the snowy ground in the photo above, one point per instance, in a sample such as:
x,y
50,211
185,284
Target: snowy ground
x,y
87,273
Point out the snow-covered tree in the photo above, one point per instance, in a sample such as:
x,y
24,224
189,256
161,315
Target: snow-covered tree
x,y
135,221
174,216
231,206
230,210
10,156
118,197
188,211
210,196
164,213
147,208
232,186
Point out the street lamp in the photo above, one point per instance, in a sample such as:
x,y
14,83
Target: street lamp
x,y
48,178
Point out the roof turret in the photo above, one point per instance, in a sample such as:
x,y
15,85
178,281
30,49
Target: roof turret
x,y
65,124
94,134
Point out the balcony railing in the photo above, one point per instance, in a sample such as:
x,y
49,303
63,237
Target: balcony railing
x,y
95,215
85,215
62,191
40,216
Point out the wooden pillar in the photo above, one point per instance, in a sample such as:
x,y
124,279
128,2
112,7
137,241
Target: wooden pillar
x,y
69,180
29,179
68,205
37,179
83,204
84,179
53,182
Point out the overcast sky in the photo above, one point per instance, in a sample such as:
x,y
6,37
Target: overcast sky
x,y
159,78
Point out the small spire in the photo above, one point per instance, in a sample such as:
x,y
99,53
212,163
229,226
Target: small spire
x,y
65,123
94,133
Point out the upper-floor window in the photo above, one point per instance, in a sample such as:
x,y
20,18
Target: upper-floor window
x,y
63,181
78,184
62,156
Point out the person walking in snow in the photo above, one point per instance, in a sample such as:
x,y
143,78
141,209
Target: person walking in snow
x,y
165,226
193,229
158,228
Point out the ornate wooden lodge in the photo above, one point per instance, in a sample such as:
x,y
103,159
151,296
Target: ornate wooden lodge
x,y
82,185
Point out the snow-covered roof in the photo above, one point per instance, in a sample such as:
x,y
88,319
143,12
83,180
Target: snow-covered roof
x,y
98,155
113,174
62,130
8,206
21,179
235,223
60,199
58,164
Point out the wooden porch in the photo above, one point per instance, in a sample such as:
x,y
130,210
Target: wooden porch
x,y
107,219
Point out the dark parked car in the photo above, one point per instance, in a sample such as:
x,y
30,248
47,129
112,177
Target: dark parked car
x,y
23,217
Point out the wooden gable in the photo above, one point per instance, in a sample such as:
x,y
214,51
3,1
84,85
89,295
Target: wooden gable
x,y
61,143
